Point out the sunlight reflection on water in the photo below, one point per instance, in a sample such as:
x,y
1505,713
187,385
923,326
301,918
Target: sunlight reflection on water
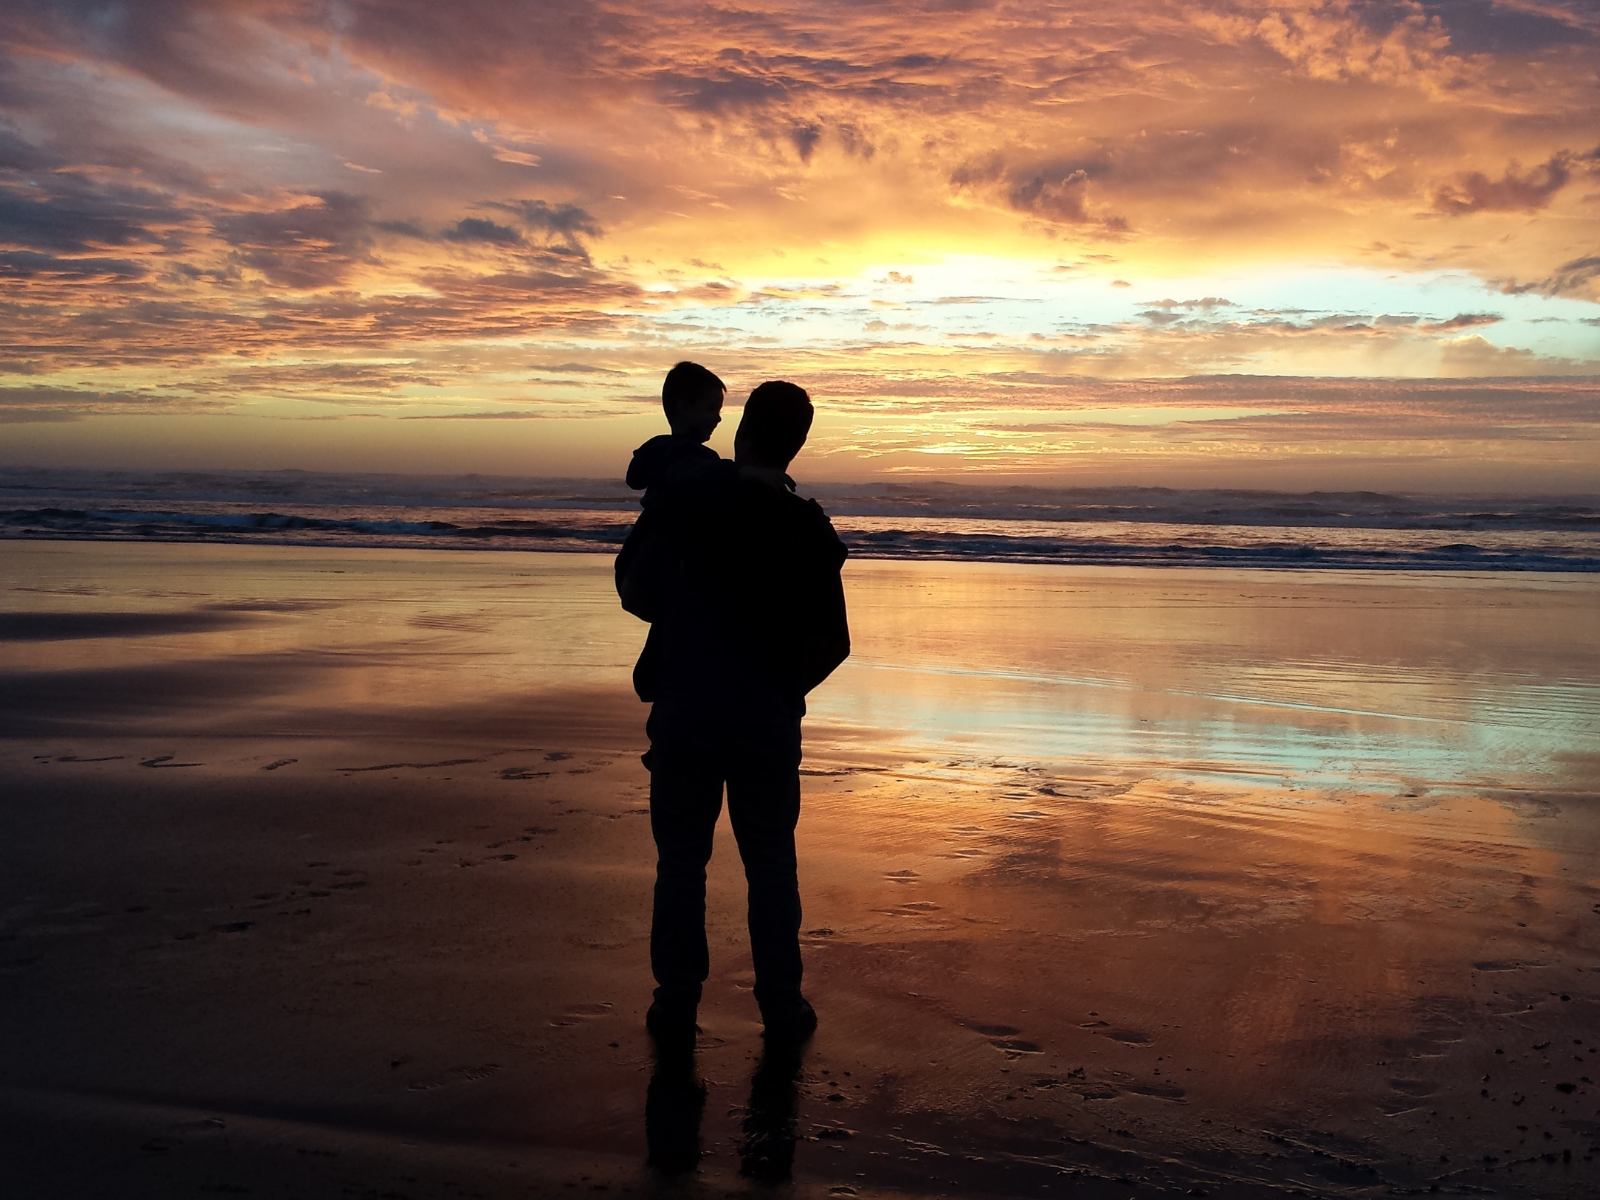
x,y
1325,679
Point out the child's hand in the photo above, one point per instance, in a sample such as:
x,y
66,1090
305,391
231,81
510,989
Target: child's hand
x,y
772,477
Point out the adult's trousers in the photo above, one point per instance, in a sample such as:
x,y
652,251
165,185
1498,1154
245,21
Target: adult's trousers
x,y
763,791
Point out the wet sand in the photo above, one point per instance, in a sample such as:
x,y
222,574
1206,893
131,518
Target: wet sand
x,y
327,874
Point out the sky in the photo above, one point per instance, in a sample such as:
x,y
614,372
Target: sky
x,y
1296,245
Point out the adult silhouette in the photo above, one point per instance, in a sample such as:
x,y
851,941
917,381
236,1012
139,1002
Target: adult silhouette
x,y
739,578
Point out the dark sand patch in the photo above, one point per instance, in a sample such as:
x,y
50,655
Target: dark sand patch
x,y
67,626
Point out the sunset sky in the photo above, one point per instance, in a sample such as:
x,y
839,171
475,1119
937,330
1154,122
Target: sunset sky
x,y
1291,244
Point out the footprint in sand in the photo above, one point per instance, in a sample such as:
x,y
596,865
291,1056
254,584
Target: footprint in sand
x,y
1161,1091
967,831
448,762
902,876
918,908
579,1013
526,837
1097,1091
1004,1039
454,1075
165,760
282,762
1128,1037
1413,1087
522,773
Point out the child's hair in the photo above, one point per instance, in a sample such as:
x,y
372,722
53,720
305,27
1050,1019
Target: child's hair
x,y
685,384
776,419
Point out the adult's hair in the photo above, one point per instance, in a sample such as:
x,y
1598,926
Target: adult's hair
x,y
776,419
685,384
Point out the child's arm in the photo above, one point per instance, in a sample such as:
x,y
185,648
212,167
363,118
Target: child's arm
x,y
771,477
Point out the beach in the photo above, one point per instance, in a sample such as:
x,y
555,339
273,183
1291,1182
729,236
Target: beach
x,y
326,872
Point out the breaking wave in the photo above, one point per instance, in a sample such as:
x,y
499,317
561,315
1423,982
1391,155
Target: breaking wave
x,y
1108,526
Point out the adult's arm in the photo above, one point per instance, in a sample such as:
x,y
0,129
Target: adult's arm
x,y
827,641
823,625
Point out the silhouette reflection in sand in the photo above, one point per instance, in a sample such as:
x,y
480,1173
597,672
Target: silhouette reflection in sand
x,y
675,1105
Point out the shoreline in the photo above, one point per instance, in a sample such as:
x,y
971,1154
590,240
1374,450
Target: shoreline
x,y
1266,562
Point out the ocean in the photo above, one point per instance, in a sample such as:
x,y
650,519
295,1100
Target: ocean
x,y
1105,526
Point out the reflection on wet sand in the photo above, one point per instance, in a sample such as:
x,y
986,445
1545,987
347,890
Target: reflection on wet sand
x,y
768,1128
1165,881
1326,679
766,1151
673,1108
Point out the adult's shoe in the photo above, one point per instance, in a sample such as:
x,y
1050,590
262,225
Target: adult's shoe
x,y
791,1019
672,1027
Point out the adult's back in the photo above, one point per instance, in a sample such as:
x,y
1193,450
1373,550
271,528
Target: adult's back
x,y
746,602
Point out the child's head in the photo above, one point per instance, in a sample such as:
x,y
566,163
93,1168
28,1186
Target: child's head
x,y
691,396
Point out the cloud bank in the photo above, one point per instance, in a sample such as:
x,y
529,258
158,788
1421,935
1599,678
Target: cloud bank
x,y
947,218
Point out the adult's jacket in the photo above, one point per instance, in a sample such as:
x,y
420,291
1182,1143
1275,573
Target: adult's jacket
x,y
740,582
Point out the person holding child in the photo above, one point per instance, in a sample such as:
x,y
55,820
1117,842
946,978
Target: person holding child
x,y
740,581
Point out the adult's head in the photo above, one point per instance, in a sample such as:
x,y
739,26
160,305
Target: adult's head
x,y
776,419
691,396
